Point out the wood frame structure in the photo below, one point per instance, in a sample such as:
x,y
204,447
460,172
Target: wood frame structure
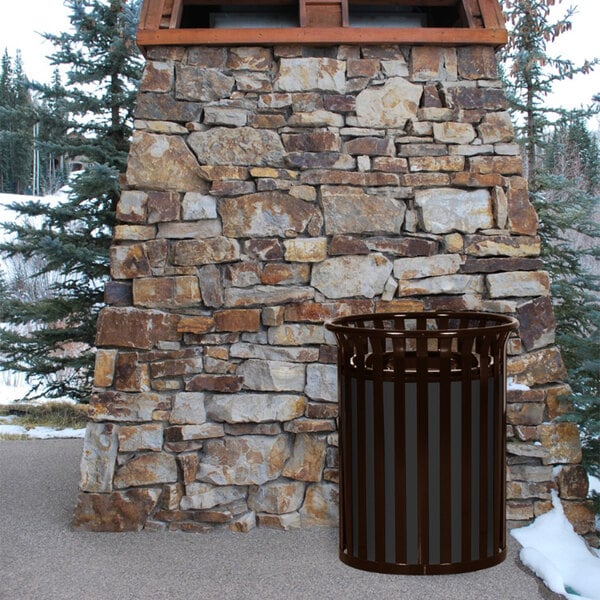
x,y
323,22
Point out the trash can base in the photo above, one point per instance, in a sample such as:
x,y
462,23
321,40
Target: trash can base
x,y
423,569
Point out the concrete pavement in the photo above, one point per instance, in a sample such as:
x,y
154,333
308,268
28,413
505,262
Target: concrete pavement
x,y
42,559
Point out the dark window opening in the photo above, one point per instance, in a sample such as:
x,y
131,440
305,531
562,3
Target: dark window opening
x,y
389,15
239,16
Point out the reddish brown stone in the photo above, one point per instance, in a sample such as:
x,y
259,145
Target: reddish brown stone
x,y
135,328
468,179
163,107
526,433
431,97
267,121
367,67
195,324
505,165
117,511
537,323
321,410
215,383
316,312
232,188
284,274
525,396
339,103
175,367
317,141
158,77
157,253
370,146
238,320
522,217
581,516
344,244
188,464
499,265
264,249
557,399
203,56
163,207
203,252
328,354
573,482
130,376
118,293
403,246
492,99
530,413
477,62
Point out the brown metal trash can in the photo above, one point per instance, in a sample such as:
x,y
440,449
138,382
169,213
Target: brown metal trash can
x,y
422,400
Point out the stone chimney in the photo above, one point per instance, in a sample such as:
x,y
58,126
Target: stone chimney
x,y
279,177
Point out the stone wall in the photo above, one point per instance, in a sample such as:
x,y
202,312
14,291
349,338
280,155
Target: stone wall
x,y
270,189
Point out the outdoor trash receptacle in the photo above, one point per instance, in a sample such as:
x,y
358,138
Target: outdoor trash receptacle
x,y
422,440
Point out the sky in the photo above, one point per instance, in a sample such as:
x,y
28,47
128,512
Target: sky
x,y
23,20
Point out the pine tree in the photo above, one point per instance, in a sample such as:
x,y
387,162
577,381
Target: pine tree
x,y
17,117
562,168
55,334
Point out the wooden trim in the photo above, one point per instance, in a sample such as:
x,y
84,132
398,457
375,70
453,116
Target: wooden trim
x,y
316,35
491,14
176,14
154,15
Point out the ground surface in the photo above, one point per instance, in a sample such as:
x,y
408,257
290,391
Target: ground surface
x,y
42,559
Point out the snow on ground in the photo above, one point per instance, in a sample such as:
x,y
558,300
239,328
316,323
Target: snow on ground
x,y
37,433
558,556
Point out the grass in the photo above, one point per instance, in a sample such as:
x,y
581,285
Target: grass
x,y
58,415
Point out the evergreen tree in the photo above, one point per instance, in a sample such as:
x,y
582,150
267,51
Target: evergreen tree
x,y
55,334
17,117
562,169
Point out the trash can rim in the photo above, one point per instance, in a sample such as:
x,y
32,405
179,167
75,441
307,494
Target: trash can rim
x,y
504,323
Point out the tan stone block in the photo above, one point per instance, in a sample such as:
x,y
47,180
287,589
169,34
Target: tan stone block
x,y
537,368
309,425
157,77
277,497
285,274
320,507
505,165
562,442
525,414
147,436
453,133
166,292
307,458
390,165
437,163
195,324
558,401
117,511
282,522
519,510
127,262
468,179
318,312
147,469
131,207
502,245
104,369
134,233
173,166
477,62
496,128
205,252
418,180
518,283
272,316
433,63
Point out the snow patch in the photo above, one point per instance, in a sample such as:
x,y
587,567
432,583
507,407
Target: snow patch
x,y
41,433
512,385
558,556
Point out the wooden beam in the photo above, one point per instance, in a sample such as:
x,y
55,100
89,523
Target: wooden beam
x,y
176,14
319,36
492,15
154,14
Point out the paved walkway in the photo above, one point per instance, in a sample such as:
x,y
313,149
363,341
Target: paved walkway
x,y
42,559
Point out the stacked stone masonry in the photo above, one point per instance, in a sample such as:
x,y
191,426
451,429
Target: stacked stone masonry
x,y
268,190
